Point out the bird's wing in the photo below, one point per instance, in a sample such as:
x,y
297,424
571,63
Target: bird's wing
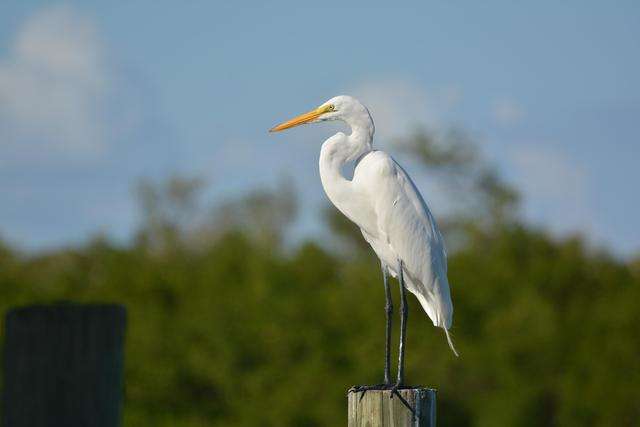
x,y
408,228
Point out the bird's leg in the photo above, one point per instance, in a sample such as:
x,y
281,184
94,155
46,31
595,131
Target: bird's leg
x,y
404,314
388,308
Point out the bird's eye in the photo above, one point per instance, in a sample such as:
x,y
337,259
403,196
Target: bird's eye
x,y
332,107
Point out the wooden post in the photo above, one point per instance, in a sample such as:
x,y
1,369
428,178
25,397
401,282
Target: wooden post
x,y
63,366
376,409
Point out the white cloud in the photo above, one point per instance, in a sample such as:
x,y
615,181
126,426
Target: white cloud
x,y
507,112
53,83
399,106
555,188
76,130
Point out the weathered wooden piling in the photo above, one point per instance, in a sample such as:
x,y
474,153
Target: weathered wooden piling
x,y
63,366
376,409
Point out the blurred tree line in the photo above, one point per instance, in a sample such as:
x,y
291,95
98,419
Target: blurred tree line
x,y
230,326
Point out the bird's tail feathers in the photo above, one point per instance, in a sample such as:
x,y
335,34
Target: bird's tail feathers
x,y
446,332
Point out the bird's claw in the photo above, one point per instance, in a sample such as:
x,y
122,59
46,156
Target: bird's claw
x,y
394,390
365,388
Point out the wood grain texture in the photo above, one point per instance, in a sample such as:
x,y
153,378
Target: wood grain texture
x,y
377,409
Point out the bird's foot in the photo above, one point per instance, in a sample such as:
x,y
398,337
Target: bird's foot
x,y
394,390
359,388
365,388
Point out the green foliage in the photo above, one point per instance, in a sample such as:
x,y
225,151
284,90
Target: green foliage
x,y
240,335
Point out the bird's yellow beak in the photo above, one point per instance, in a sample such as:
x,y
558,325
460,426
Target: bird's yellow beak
x,y
302,119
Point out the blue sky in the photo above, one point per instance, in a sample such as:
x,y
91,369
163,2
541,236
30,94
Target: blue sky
x,y
95,95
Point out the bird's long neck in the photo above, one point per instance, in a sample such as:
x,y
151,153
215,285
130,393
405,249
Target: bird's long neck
x,y
338,151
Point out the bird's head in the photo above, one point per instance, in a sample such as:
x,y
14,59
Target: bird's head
x,y
342,107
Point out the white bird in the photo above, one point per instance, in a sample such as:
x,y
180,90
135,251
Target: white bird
x,y
394,219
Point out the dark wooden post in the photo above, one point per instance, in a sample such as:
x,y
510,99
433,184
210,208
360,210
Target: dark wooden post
x,y
376,409
63,366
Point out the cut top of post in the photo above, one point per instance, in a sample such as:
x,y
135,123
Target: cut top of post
x,y
376,408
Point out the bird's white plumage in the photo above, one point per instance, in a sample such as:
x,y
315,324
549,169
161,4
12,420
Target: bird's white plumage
x,y
405,230
383,201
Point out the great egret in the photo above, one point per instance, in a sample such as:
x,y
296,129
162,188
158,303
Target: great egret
x,y
392,215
